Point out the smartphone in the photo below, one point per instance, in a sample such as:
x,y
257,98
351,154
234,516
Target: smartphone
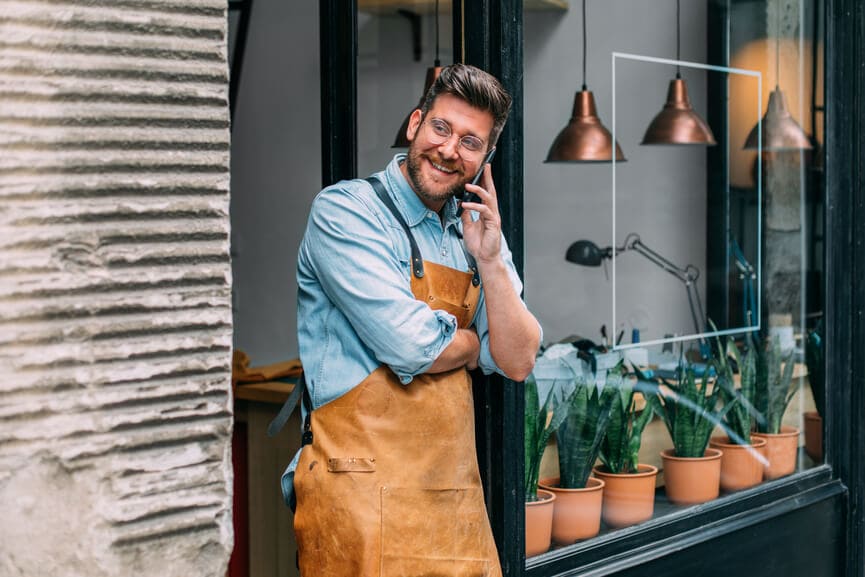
x,y
470,196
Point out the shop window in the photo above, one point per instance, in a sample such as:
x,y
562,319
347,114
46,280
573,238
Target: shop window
x,y
688,269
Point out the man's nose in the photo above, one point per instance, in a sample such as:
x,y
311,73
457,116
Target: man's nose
x,y
450,147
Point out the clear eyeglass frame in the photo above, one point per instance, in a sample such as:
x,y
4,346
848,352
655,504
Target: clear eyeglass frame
x,y
471,147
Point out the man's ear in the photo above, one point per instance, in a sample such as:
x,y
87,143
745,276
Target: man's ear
x,y
413,124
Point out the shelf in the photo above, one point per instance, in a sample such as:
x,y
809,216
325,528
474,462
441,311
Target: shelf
x,y
275,392
428,6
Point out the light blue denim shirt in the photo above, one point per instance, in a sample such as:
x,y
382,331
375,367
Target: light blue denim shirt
x,y
355,308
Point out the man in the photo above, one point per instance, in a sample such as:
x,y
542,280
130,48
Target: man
x,y
397,297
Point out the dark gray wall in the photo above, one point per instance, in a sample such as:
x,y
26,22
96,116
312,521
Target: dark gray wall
x,y
276,155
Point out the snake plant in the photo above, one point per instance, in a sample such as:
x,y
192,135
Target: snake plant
x,y
540,422
739,421
690,409
815,358
580,433
774,392
621,445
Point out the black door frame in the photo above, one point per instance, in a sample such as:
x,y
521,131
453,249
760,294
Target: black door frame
x,y
820,510
845,264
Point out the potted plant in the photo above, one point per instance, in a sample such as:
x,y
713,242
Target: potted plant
x,y
629,486
690,410
540,422
743,455
577,513
773,392
815,359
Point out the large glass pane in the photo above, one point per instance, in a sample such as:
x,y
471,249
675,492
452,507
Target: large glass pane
x,y
730,236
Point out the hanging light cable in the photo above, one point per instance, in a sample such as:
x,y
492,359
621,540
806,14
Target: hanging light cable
x,y
432,73
584,138
677,122
780,130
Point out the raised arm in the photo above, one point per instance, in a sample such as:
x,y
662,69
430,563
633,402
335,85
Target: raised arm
x,y
514,333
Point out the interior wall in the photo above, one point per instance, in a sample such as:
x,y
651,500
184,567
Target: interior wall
x,y
390,81
660,190
275,173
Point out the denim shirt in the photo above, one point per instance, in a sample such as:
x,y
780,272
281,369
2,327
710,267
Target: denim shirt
x,y
355,308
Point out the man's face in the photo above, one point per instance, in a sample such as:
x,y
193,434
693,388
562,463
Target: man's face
x,y
438,171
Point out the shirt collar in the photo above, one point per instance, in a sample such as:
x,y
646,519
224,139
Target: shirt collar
x,y
409,203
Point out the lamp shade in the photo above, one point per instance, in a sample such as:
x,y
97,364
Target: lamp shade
x,y
431,74
585,138
780,130
677,123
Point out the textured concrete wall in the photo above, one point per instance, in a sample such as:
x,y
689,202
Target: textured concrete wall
x,y
115,313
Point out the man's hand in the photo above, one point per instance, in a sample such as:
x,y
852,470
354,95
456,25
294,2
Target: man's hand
x,y
483,237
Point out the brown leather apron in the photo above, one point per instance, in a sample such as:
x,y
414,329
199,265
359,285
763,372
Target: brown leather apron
x,y
390,484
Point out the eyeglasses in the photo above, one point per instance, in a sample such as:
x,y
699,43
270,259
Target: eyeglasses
x,y
440,132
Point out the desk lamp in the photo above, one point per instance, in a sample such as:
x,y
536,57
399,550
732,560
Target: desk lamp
x,y
587,253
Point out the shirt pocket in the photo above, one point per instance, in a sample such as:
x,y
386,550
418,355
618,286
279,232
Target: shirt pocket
x,y
434,533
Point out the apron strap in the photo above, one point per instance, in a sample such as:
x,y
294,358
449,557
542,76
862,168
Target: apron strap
x,y
278,422
473,265
416,259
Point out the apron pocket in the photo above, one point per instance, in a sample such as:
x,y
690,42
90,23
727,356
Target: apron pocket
x,y
434,533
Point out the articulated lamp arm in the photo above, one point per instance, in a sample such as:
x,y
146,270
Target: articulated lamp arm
x,y
687,275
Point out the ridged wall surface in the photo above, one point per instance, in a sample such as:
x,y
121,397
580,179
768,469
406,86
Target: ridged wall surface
x,y
115,288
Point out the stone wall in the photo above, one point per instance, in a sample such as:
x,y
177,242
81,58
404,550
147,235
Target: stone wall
x,y
115,289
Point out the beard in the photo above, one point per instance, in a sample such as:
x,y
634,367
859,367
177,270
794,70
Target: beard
x,y
425,189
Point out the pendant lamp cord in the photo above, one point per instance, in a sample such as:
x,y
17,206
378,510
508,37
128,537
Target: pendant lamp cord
x,y
584,45
437,62
678,39
777,46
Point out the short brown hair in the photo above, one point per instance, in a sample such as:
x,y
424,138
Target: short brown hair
x,y
478,88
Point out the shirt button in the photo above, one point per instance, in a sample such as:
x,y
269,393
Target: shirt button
x,y
444,252
430,214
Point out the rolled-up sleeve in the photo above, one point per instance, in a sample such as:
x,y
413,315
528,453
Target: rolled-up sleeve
x,y
362,270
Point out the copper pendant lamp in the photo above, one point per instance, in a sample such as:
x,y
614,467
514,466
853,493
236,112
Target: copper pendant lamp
x,y
585,138
780,130
677,122
431,74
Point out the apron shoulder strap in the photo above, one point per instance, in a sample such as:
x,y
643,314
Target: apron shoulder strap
x,y
416,259
473,265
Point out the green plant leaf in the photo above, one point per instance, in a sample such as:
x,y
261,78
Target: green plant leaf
x,y
581,432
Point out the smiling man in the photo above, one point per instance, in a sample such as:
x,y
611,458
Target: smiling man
x,y
399,294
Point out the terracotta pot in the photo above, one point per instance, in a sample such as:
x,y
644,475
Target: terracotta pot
x,y
539,523
741,465
781,451
688,481
814,435
629,498
577,513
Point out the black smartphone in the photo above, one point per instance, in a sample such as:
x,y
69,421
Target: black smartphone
x,y
470,196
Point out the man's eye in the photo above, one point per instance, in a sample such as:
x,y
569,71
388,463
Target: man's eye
x,y
472,144
441,128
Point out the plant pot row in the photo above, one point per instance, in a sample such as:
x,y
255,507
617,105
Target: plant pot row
x,y
566,516
569,515
730,467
